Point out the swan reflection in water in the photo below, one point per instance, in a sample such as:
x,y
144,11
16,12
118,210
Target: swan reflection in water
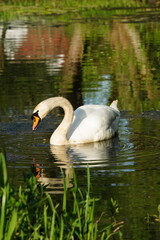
x,y
94,155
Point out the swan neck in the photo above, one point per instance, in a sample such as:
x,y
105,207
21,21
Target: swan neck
x,y
59,136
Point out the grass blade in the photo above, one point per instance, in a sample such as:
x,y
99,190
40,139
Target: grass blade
x,y
12,225
3,171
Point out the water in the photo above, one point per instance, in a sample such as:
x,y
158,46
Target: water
x,y
87,62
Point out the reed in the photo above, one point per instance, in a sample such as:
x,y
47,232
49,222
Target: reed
x,y
31,213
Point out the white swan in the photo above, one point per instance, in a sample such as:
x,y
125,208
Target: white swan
x,y
88,123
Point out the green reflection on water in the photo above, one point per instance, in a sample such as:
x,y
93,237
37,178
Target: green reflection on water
x,y
77,57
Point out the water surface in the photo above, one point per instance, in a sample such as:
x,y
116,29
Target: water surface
x,y
87,61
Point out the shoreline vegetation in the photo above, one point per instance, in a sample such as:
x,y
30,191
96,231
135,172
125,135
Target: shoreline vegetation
x,y
31,213
17,8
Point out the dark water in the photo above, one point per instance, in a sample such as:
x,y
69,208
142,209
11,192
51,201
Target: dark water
x,y
87,61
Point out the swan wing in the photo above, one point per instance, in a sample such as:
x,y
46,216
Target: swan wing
x,y
93,123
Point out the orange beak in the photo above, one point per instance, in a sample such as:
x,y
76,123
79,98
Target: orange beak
x,y
36,121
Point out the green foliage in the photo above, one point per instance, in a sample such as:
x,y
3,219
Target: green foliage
x,y
74,3
31,213
13,8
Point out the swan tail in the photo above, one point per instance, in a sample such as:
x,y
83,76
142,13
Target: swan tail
x,y
114,104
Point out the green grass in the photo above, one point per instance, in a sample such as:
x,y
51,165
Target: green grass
x,y
75,3
31,213
18,8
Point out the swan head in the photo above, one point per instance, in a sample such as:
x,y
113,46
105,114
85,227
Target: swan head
x,y
36,119
40,111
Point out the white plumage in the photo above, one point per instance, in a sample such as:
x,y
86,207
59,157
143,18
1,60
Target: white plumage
x,y
88,123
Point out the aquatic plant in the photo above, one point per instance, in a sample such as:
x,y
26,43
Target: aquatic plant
x,y
31,213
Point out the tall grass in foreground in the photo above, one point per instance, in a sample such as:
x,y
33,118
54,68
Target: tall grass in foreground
x,y
31,213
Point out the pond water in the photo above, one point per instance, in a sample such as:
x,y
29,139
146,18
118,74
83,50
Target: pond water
x,y
87,60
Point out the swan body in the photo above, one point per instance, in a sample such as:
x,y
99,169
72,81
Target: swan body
x,y
88,123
